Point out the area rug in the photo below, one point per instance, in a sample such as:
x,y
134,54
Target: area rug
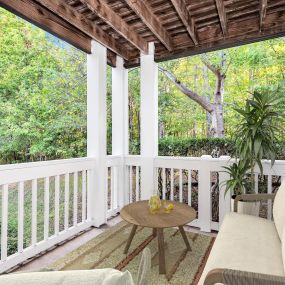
x,y
106,251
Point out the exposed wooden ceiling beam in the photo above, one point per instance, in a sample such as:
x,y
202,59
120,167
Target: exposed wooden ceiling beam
x,y
117,23
185,17
222,16
46,20
263,8
151,21
70,15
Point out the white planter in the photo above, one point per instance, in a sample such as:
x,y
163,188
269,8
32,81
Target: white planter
x,y
247,208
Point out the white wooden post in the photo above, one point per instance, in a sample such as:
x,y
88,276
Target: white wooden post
x,y
96,132
120,125
149,121
224,200
204,196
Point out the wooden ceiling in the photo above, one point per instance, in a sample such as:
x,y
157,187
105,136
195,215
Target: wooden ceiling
x,y
178,27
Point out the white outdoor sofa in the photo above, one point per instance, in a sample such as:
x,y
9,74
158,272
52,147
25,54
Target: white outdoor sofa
x,y
107,276
249,250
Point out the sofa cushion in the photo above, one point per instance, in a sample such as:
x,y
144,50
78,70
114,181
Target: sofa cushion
x,y
279,209
246,243
82,277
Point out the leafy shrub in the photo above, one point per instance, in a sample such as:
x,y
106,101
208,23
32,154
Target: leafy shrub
x,y
173,146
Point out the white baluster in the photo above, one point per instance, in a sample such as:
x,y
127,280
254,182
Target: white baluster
x,y
269,203
171,184
20,216
75,197
66,201
34,211
256,182
130,184
112,188
83,195
189,187
163,183
4,222
115,186
137,183
46,208
180,186
56,205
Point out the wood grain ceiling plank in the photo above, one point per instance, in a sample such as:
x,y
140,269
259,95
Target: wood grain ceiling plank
x,y
222,16
263,8
43,18
117,23
151,21
68,13
186,19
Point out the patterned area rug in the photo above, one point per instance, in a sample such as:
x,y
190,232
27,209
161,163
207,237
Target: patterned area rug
x,y
106,250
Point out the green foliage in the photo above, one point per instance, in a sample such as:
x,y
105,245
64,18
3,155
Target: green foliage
x,y
173,146
259,129
238,182
42,95
257,137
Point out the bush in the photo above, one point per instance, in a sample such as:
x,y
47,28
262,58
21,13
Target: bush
x,y
173,146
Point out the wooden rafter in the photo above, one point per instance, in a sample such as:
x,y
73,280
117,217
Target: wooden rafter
x,y
222,16
151,21
185,17
43,18
117,23
263,8
69,14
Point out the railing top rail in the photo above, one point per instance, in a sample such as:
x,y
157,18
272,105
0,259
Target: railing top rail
x,y
45,163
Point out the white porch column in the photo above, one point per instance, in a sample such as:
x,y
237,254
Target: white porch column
x,y
149,121
96,132
120,125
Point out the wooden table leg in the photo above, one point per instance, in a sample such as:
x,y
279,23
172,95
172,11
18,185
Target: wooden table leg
x,y
185,238
161,254
132,234
154,232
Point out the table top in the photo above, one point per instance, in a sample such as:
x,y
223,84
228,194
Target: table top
x,y
138,214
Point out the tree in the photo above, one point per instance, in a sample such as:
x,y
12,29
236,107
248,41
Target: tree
x,y
214,109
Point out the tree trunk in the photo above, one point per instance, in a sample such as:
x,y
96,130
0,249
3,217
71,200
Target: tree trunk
x,y
207,91
161,130
215,117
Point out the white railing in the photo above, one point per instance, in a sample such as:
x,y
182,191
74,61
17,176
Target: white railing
x,y
133,178
54,200
191,179
49,200
113,184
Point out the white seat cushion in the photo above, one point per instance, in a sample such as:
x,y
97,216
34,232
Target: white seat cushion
x,y
246,243
76,277
279,209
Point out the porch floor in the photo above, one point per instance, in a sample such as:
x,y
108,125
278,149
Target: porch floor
x,y
44,260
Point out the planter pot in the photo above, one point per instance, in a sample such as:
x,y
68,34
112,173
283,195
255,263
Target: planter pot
x,y
246,208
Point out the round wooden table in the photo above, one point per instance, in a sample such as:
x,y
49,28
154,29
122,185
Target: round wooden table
x,y
138,214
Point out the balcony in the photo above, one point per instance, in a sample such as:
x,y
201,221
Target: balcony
x,y
53,201
71,203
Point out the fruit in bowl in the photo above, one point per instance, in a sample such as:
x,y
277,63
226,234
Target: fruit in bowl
x,y
154,204
168,207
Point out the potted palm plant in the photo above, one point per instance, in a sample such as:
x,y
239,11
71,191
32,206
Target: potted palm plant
x,y
256,138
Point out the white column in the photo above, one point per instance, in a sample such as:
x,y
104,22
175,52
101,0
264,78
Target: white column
x,y
149,120
120,124
96,132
